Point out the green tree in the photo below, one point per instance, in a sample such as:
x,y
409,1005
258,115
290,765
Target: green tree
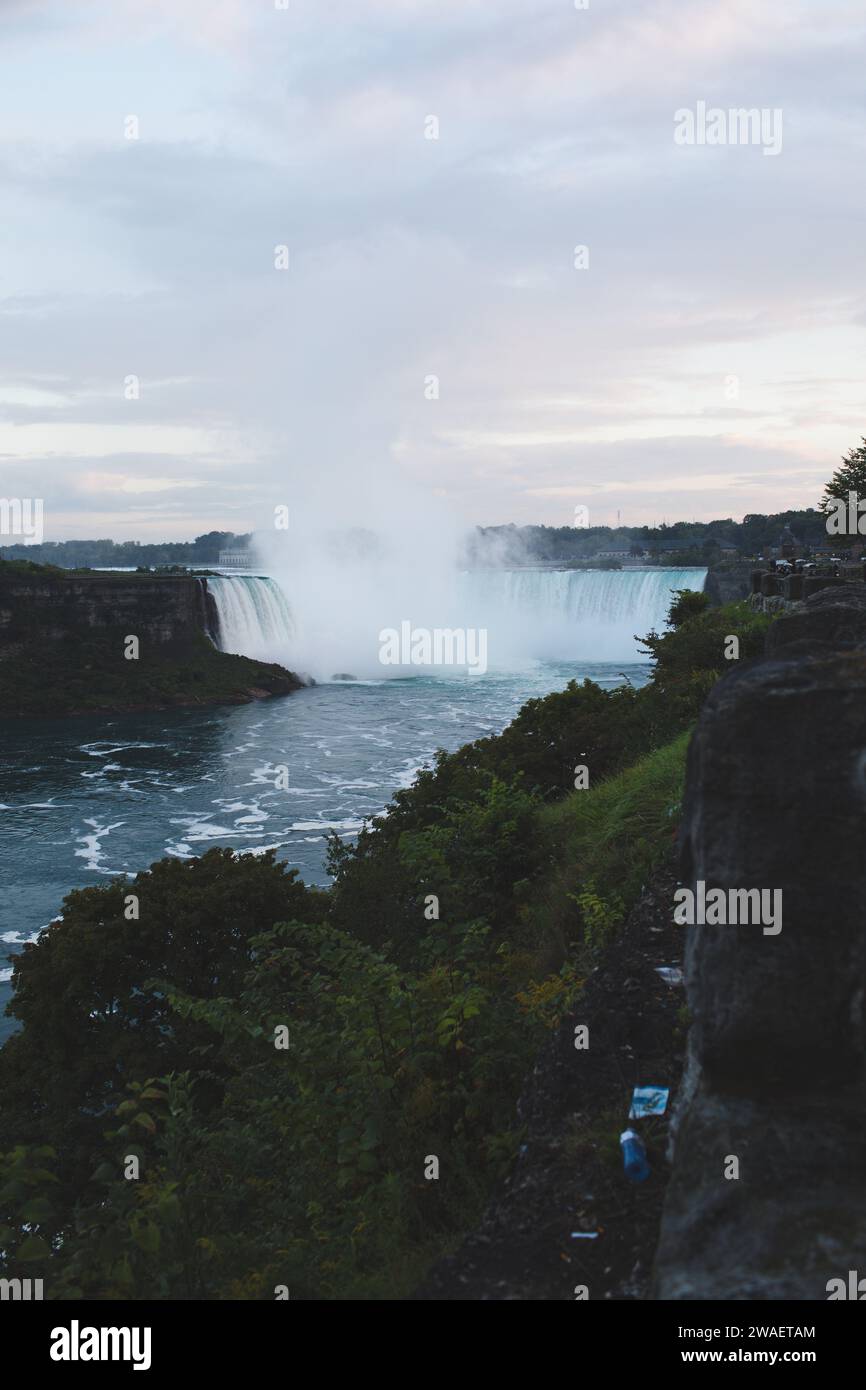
x,y
91,1019
686,603
851,477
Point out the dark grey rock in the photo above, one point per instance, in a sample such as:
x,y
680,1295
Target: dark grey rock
x,y
729,581
814,583
794,1218
774,786
775,798
834,617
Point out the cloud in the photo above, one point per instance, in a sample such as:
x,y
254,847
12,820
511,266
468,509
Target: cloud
x,y
413,258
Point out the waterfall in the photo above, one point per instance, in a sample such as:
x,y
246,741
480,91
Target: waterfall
x,y
566,615
254,616
529,615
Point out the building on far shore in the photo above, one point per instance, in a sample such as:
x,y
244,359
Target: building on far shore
x,y
235,560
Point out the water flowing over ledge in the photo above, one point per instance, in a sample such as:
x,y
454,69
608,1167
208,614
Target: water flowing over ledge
x,y
530,615
575,614
253,615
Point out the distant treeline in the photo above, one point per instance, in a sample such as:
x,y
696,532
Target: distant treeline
x,y
684,542
696,542
204,550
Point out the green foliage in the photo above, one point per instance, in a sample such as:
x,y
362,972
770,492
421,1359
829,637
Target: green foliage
x,y
90,1021
410,1028
603,845
381,1071
29,1211
689,659
27,567
89,674
599,918
687,603
385,1066
851,477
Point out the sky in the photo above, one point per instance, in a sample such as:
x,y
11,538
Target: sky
x,y
431,168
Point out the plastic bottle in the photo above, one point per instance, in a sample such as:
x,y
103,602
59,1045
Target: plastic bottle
x,y
634,1156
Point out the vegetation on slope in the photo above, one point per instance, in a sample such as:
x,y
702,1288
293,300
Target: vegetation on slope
x,y
411,1000
47,679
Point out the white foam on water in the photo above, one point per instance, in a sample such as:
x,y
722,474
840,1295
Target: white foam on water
x,y
199,828
327,825
105,750
91,846
255,850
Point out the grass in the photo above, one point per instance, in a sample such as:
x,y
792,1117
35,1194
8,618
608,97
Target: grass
x,y
603,844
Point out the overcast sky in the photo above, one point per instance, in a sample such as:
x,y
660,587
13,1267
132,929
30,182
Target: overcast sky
x,y
709,360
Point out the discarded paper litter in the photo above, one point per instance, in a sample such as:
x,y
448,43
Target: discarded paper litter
x,y
671,974
648,1100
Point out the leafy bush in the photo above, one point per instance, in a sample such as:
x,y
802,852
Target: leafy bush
x,y
89,1022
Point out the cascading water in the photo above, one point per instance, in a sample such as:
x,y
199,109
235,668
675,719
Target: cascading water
x,y
529,615
565,615
206,778
254,616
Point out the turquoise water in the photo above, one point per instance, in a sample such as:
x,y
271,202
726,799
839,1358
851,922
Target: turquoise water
x,y
85,799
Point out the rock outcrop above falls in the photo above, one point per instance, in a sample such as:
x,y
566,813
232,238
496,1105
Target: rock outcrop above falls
x,y
767,1198
53,607
64,641
728,582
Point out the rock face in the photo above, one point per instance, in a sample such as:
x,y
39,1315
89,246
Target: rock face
x,y
53,608
728,581
776,799
63,642
833,617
